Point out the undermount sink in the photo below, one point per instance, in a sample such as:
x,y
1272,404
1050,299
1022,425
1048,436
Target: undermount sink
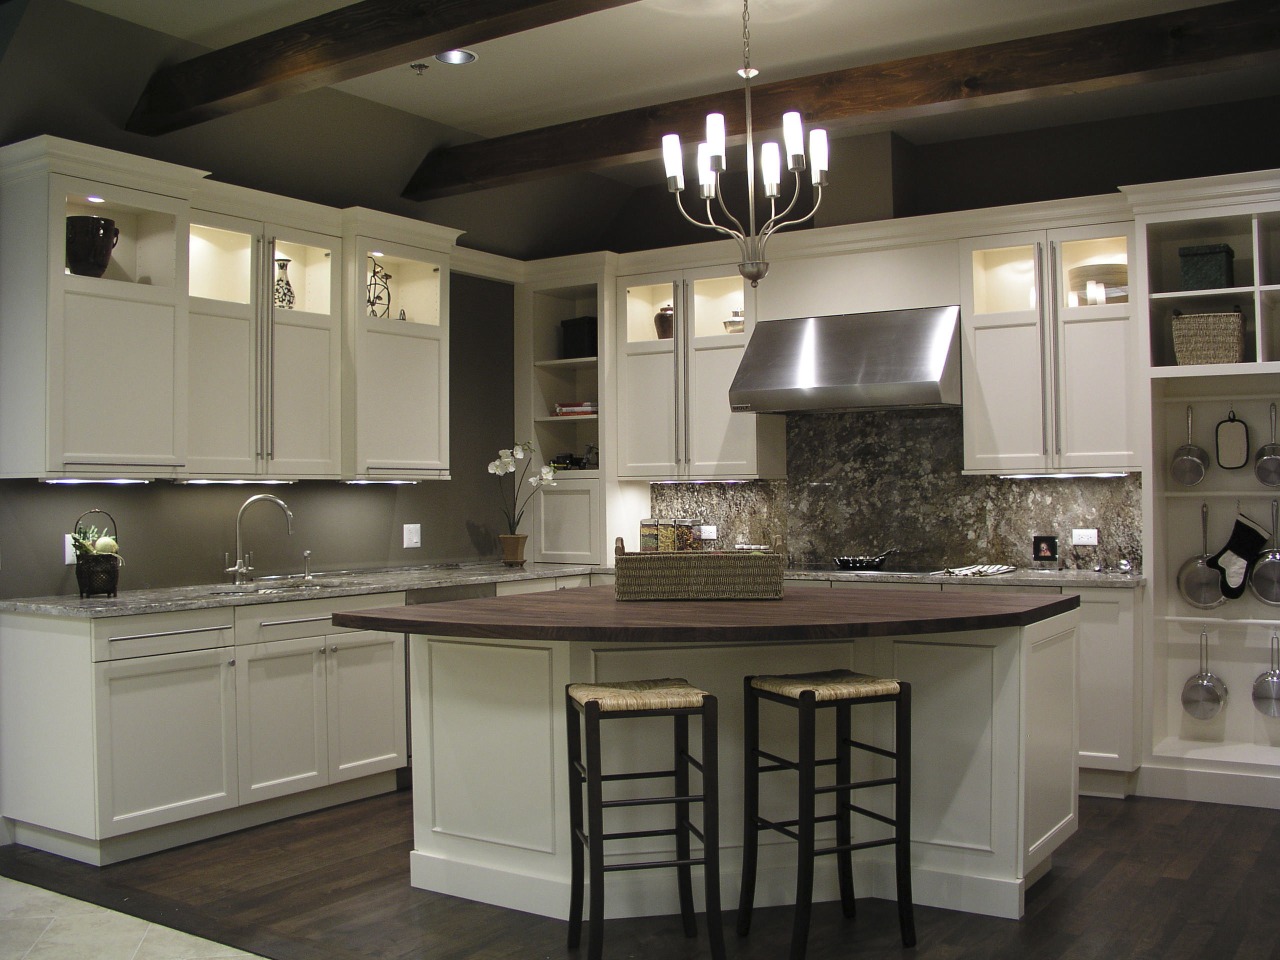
x,y
284,585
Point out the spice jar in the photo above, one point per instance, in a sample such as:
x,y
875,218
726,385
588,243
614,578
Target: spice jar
x,y
666,536
648,536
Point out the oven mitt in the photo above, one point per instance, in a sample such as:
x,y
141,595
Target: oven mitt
x,y
1234,560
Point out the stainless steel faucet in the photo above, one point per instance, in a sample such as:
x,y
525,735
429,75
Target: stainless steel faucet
x,y
242,567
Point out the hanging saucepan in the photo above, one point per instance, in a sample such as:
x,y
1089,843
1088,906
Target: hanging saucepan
x,y
1204,694
1266,465
1189,461
863,563
1200,584
1264,578
1266,689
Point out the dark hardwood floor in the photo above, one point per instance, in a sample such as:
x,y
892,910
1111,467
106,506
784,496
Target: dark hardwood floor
x,y
1142,878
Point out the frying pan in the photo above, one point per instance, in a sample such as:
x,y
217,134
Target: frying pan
x,y
1200,584
1266,689
1189,461
1266,465
1264,579
1204,693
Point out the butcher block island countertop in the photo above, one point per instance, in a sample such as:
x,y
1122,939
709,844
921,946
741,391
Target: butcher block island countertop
x,y
994,746
803,615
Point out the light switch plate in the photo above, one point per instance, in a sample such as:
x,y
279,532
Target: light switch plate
x,y
68,551
1086,537
412,535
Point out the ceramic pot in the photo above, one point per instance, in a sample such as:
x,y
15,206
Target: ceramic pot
x,y
664,322
513,548
90,241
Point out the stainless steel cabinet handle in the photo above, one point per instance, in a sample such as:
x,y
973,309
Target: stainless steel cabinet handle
x,y
1055,359
170,633
686,360
270,416
1038,280
286,623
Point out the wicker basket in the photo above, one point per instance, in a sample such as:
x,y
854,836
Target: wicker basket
x,y
1208,338
98,573
694,575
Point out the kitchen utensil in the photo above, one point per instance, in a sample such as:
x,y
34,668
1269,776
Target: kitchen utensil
x,y
1266,465
1189,461
863,563
1233,442
1204,694
1200,584
1266,689
1264,578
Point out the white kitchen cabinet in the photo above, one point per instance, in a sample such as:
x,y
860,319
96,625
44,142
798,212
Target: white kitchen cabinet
x,y
316,704
93,370
1049,353
396,384
265,387
674,421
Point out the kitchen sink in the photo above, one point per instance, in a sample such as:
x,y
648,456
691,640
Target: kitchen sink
x,y
282,585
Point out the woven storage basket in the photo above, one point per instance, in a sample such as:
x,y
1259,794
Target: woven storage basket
x,y
693,575
98,573
1208,338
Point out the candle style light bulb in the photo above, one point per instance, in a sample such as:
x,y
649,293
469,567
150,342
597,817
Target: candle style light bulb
x,y
819,155
771,168
706,176
716,141
674,160
793,140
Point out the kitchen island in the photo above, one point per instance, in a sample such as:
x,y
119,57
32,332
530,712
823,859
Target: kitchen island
x,y
994,744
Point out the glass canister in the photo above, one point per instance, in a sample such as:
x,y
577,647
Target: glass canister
x,y
666,536
648,536
687,535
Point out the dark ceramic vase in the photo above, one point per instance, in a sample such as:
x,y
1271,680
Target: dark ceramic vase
x,y
90,241
664,322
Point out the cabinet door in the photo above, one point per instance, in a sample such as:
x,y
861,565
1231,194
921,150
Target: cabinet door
x,y
1110,693
304,343
569,520
1005,381
281,717
720,443
166,739
648,389
366,704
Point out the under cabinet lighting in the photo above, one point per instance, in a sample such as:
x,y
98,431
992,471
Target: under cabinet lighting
x,y
95,199
234,483
369,483
73,481
1060,476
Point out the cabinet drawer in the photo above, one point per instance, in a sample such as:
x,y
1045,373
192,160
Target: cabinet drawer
x,y
258,623
150,634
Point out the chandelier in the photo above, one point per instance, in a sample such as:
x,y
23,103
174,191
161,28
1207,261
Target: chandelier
x,y
711,163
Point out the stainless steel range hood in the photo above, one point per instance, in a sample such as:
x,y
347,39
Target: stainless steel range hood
x,y
852,361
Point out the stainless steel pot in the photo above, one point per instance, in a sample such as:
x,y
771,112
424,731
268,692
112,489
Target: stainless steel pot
x,y
1264,578
1204,694
1189,461
1198,583
1266,689
1266,465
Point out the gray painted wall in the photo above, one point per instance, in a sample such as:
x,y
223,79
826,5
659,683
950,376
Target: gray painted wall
x,y
171,534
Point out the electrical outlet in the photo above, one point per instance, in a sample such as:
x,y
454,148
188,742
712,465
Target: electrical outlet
x,y
1087,537
68,551
412,535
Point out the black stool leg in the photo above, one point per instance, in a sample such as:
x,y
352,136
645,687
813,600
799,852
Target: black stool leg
x,y
711,824
574,730
805,827
595,834
844,813
902,814
750,804
684,873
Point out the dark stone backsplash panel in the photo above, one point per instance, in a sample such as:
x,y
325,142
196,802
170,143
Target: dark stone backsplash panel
x,y
867,482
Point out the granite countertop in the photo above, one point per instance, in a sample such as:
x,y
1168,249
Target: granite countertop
x,y
266,590
1023,577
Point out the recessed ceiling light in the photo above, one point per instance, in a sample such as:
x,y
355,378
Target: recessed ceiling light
x,y
456,56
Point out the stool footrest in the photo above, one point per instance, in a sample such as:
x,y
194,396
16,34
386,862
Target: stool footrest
x,y
642,775
872,748
861,845
857,785
654,864
652,801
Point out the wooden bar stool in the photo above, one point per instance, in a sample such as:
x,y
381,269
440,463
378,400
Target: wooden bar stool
x,y
808,693
642,698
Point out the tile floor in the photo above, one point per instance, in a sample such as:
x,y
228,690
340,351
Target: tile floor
x,y
38,925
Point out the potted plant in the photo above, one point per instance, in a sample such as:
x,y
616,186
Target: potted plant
x,y
519,457
97,557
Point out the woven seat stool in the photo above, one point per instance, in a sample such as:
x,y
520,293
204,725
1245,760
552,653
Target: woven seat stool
x,y
586,705
839,690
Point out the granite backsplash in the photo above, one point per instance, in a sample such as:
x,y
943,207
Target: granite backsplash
x,y
862,483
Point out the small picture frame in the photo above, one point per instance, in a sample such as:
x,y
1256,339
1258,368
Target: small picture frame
x,y
1044,549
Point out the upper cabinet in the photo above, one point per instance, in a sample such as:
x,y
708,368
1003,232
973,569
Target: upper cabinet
x,y
680,338
396,388
266,337
1050,358
93,312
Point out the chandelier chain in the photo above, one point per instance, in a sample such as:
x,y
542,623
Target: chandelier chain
x,y
746,38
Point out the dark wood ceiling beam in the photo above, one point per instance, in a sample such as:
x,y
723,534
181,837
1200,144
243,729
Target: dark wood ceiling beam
x,y
352,41
1195,41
